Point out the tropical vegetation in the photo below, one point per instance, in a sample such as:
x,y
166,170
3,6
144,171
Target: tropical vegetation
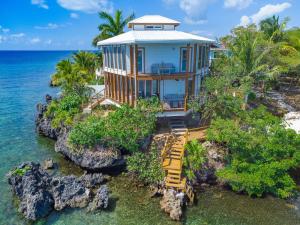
x,y
125,128
262,152
112,26
147,166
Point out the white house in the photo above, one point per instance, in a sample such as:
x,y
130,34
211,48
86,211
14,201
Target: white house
x,y
155,59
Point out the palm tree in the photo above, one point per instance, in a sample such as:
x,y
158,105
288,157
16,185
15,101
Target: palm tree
x,y
273,29
112,26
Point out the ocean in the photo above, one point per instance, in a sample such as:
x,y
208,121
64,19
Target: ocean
x,y
24,81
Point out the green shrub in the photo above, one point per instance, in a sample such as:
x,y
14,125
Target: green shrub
x,y
21,172
262,153
62,111
125,128
194,159
147,166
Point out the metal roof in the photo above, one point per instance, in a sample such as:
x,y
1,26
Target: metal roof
x,y
155,37
153,19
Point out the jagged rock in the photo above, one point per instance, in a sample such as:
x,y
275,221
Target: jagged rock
x,y
43,123
100,200
69,191
30,183
96,159
48,164
172,203
40,193
91,180
215,160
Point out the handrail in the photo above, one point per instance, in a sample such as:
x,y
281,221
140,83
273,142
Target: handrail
x,y
199,128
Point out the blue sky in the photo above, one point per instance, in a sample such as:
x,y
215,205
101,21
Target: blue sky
x,y
71,24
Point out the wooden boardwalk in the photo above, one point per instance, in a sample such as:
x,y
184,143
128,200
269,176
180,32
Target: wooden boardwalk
x,y
172,159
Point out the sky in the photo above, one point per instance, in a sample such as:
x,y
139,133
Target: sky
x,y
72,24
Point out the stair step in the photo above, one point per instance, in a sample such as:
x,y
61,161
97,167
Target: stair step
x,y
174,171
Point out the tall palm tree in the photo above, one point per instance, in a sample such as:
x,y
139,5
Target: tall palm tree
x,y
273,28
112,26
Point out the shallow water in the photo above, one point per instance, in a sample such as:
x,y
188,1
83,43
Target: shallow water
x,y
24,78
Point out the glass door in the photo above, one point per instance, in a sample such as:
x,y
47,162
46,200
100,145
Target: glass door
x,y
141,60
183,59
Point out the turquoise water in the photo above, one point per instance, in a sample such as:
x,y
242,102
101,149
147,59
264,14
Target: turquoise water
x,y
24,78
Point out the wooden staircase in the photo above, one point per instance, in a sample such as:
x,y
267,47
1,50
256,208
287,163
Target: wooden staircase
x,y
172,159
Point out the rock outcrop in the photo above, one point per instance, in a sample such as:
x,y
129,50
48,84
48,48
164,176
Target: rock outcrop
x,y
172,203
39,193
215,161
43,123
98,158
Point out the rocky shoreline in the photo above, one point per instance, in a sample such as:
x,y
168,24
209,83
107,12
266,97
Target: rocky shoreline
x,y
40,193
97,159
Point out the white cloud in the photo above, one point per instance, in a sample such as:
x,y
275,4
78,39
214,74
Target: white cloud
x,y
48,42
195,10
5,30
239,4
1,39
19,35
188,20
264,12
50,26
40,3
74,15
245,20
88,6
202,32
35,40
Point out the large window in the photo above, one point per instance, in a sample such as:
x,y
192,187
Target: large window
x,y
202,55
115,57
141,60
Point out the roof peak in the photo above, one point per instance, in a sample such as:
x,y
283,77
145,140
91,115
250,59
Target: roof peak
x,y
153,19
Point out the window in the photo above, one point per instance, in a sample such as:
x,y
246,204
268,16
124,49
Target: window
x,y
141,60
115,57
153,27
124,56
111,57
183,59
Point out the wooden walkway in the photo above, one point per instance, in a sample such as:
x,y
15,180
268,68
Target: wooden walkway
x,y
172,159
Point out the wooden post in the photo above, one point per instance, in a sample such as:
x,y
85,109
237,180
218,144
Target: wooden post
x,y
136,73
132,94
127,91
123,89
105,84
119,88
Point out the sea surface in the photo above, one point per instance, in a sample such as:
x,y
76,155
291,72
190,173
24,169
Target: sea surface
x,y
24,79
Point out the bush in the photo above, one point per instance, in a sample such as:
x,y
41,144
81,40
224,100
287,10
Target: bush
x,y
262,153
125,128
146,165
194,159
62,111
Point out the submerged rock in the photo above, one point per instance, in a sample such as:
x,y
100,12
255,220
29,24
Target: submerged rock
x,y
100,200
39,193
91,180
172,203
68,191
48,164
96,159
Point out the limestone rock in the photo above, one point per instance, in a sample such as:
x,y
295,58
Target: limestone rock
x,y
172,203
